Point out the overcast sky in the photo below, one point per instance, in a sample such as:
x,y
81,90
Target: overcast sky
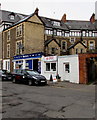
x,y
74,9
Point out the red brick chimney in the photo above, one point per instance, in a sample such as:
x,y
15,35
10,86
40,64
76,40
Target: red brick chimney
x,y
36,11
92,19
63,18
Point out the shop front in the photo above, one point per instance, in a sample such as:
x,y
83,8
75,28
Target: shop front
x,y
49,67
28,61
6,64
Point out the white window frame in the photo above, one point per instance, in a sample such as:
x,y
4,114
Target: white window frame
x,y
18,50
93,46
72,42
19,31
8,51
12,17
56,23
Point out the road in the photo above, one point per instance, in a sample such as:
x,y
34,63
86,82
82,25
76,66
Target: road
x,y
23,101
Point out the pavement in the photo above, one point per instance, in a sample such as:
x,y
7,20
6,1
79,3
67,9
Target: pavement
x,y
65,85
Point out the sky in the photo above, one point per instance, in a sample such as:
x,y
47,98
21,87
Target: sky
x,y
74,9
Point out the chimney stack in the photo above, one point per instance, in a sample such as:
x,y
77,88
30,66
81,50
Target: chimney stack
x,y
63,18
92,19
36,11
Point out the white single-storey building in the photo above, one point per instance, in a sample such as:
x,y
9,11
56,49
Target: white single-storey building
x,y
49,66
67,67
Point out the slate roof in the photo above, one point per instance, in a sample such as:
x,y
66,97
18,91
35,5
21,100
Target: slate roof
x,y
5,16
80,25
69,24
48,22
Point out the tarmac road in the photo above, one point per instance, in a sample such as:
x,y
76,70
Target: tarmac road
x,y
23,101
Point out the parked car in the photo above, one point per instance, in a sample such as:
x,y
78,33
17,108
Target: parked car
x,y
29,77
5,75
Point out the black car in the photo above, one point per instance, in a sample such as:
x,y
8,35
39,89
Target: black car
x,y
5,75
29,77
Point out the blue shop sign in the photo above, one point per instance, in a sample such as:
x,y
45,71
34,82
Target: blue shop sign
x,y
26,56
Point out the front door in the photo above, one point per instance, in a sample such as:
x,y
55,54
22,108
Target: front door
x,y
35,64
66,71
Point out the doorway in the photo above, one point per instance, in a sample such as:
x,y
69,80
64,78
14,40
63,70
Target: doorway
x,y
35,64
92,69
66,71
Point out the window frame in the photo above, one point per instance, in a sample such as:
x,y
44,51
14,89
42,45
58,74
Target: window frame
x,y
51,66
8,35
19,30
71,40
65,45
8,51
18,50
92,46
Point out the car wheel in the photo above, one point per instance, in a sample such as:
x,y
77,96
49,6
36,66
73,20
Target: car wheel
x,y
14,80
30,82
36,82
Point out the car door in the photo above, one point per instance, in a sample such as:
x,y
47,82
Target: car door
x,y
24,76
18,76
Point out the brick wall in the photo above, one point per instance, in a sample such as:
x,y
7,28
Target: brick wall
x,y
83,68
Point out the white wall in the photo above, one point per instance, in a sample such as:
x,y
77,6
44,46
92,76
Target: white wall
x,y
73,61
47,73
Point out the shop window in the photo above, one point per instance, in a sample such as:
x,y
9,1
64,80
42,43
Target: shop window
x,y
50,66
47,66
53,66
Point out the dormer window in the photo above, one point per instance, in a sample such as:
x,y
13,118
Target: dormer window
x,y
56,23
12,17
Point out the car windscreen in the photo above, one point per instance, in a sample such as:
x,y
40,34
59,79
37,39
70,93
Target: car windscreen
x,y
32,72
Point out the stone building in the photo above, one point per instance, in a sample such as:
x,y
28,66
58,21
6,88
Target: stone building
x,y
7,18
36,34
